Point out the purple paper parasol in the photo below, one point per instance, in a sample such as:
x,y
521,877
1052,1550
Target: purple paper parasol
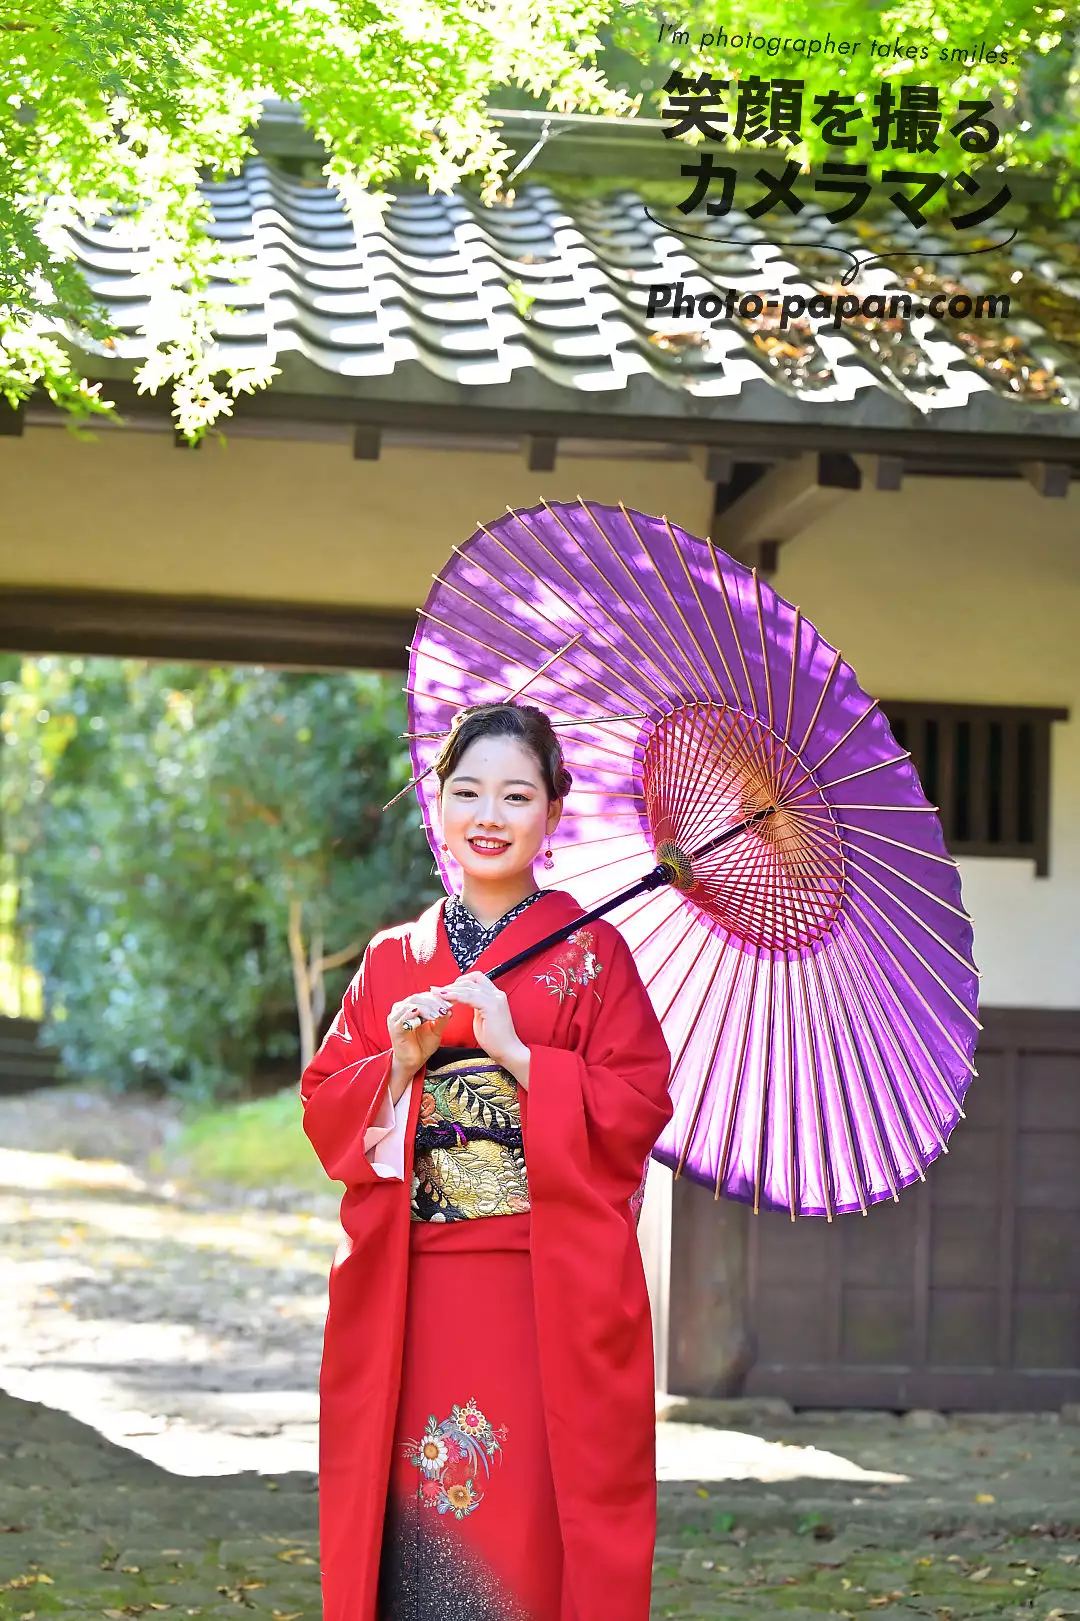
x,y
813,974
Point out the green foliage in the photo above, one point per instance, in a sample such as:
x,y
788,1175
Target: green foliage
x,y
122,106
170,825
258,1144
523,301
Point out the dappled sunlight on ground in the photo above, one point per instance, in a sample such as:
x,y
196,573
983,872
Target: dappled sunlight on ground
x,y
192,1337
700,1452
183,1327
21,1168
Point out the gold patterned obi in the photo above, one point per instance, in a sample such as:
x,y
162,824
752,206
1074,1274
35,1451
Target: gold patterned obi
x,y
469,1159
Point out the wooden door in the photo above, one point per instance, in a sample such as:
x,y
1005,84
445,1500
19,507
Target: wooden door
x,y
965,1294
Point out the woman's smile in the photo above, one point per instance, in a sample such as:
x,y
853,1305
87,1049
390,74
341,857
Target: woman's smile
x,y
486,844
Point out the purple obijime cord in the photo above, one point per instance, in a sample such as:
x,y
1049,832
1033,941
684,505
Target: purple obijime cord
x,y
448,1134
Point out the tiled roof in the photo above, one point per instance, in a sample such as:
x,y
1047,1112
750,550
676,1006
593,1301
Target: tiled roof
x,y
540,304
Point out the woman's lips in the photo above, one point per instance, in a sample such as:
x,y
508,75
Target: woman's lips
x,y
489,847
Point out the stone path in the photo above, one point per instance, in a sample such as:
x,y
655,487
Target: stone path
x,y
151,1339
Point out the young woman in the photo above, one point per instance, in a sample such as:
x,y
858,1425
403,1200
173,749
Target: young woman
x,y
487,1440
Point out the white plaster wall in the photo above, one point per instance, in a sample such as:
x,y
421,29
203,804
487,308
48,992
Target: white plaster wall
x,y
969,591
286,520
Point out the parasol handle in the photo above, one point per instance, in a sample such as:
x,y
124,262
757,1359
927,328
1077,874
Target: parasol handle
x,y
662,873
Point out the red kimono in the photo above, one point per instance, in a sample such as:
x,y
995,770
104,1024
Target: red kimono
x,y
487,1386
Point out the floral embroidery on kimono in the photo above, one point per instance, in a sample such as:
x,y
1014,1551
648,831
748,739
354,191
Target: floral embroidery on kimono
x,y
450,1456
637,1198
576,967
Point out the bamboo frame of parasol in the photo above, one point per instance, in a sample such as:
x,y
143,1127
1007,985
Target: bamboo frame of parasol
x,y
822,1027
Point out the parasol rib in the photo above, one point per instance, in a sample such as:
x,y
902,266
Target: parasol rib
x,y
708,1073
575,579
827,968
858,1173
518,598
688,571
827,1182
845,966
659,575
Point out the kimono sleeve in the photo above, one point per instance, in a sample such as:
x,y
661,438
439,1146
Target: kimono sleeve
x,y
596,1108
348,1112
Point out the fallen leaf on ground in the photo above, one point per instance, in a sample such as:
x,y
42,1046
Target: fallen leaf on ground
x,y
985,1497
980,1575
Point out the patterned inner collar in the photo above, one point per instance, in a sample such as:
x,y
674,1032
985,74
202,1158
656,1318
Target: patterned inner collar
x,y
467,935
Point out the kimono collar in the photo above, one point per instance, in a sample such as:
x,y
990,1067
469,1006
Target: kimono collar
x,y
468,937
554,908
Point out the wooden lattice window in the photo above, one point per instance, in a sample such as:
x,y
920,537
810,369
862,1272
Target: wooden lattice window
x,y
987,769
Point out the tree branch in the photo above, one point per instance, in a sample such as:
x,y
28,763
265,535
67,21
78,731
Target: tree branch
x,y
336,958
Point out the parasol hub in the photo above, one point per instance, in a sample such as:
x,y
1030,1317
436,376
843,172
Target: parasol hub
x,y
748,833
672,855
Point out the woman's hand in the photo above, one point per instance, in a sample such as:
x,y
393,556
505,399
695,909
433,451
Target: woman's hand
x,y
413,1048
493,1024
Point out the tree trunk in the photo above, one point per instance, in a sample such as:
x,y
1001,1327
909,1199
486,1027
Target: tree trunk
x,y
301,982
317,982
309,983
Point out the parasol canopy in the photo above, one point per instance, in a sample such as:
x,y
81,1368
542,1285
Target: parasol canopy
x,y
812,969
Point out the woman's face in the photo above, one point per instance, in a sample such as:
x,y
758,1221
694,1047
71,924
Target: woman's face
x,y
496,813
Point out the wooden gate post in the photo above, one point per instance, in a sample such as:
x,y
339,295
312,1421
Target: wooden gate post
x,y
711,1347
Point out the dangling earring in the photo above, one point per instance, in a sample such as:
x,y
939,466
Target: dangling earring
x,y
548,863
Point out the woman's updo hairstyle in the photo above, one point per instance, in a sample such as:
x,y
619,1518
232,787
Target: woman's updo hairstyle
x,y
528,726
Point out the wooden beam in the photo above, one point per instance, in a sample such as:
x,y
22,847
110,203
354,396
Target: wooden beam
x,y
882,472
1049,478
783,503
366,442
284,635
968,453
715,464
540,452
12,420
764,555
